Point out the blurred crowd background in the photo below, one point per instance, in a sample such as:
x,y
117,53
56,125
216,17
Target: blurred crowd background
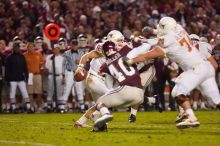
x,y
96,18
23,22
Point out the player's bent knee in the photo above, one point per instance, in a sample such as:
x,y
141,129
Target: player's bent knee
x,y
178,90
180,99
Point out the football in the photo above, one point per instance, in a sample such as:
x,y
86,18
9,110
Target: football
x,y
80,75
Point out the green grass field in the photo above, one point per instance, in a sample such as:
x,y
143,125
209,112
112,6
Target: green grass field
x,y
151,129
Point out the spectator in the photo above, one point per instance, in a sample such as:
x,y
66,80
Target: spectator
x,y
54,65
34,60
16,74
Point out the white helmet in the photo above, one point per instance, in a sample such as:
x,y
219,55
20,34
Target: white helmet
x,y
166,25
116,37
204,39
194,37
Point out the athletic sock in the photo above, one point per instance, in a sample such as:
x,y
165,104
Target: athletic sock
x,y
82,120
191,114
104,111
133,111
181,110
95,115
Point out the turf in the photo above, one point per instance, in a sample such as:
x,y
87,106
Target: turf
x,y
150,129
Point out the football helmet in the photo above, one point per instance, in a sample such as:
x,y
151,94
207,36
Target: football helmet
x,y
116,37
166,25
109,48
194,38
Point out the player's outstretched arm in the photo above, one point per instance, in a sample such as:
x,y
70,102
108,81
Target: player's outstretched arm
x,y
154,53
90,55
212,60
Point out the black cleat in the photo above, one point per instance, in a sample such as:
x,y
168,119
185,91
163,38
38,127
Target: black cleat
x,y
100,129
132,118
30,111
15,111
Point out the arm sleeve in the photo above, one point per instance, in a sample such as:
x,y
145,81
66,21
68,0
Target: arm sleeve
x,y
204,49
25,69
139,50
47,63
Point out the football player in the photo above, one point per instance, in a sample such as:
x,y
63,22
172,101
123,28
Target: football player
x,y
174,42
147,70
129,80
205,49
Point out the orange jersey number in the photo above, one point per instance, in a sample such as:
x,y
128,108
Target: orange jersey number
x,y
186,42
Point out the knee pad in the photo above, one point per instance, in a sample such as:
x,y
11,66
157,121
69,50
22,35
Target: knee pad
x,y
181,99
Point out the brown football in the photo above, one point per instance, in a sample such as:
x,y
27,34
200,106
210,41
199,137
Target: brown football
x,y
79,76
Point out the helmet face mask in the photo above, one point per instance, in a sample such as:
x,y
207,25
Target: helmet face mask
x,y
166,25
109,48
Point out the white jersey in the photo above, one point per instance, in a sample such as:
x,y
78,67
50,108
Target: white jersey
x,y
179,49
138,51
96,63
204,48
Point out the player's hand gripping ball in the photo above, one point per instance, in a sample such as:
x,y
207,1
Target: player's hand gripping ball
x,y
80,74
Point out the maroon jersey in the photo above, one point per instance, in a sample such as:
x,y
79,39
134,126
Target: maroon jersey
x,y
123,74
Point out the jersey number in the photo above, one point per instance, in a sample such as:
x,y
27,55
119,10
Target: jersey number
x,y
118,74
186,42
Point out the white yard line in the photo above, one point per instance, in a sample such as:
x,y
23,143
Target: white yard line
x,y
25,143
18,121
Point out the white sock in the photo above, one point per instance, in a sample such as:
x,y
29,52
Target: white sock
x,y
70,105
62,107
202,104
4,106
190,113
28,105
13,106
181,110
82,120
54,104
151,100
104,111
133,111
95,115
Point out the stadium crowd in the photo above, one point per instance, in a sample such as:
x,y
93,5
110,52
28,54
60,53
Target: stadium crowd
x,y
82,22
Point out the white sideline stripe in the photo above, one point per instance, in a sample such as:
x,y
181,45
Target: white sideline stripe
x,y
26,143
16,121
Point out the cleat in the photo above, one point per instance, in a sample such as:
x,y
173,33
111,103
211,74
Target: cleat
x,y
132,118
195,106
181,117
103,120
15,111
101,129
62,111
187,124
30,111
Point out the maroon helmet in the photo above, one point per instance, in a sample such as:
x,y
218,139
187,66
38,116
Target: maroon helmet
x,y
109,48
